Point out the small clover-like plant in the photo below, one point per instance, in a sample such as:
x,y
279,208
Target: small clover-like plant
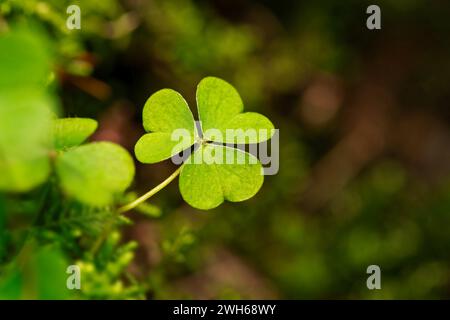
x,y
214,172
35,145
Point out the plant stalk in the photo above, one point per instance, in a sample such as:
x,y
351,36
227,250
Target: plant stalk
x,y
132,205
146,196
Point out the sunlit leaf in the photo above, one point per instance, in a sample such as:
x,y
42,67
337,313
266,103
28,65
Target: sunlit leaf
x,y
217,173
165,111
218,102
168,117
205,184
158,146
246,128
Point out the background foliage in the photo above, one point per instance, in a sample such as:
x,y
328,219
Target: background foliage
x,y
364,149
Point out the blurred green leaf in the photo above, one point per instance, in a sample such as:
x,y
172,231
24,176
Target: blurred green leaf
x,y
2,228
38,273
71,132
11,285
50,266
96,172
24,139
25,58
25,110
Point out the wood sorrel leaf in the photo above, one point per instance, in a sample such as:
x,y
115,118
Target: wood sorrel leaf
x,y
216,173
218,102
94,173
246,128
213,173
168,117
220,106
158,146
165,111
71,132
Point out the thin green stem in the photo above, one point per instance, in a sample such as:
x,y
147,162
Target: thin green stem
x,y
132,205
144,197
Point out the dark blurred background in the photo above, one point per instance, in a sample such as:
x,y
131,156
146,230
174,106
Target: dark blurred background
x,y
364,120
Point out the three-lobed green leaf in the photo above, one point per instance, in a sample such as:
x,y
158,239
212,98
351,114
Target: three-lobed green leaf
x,y
206,179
